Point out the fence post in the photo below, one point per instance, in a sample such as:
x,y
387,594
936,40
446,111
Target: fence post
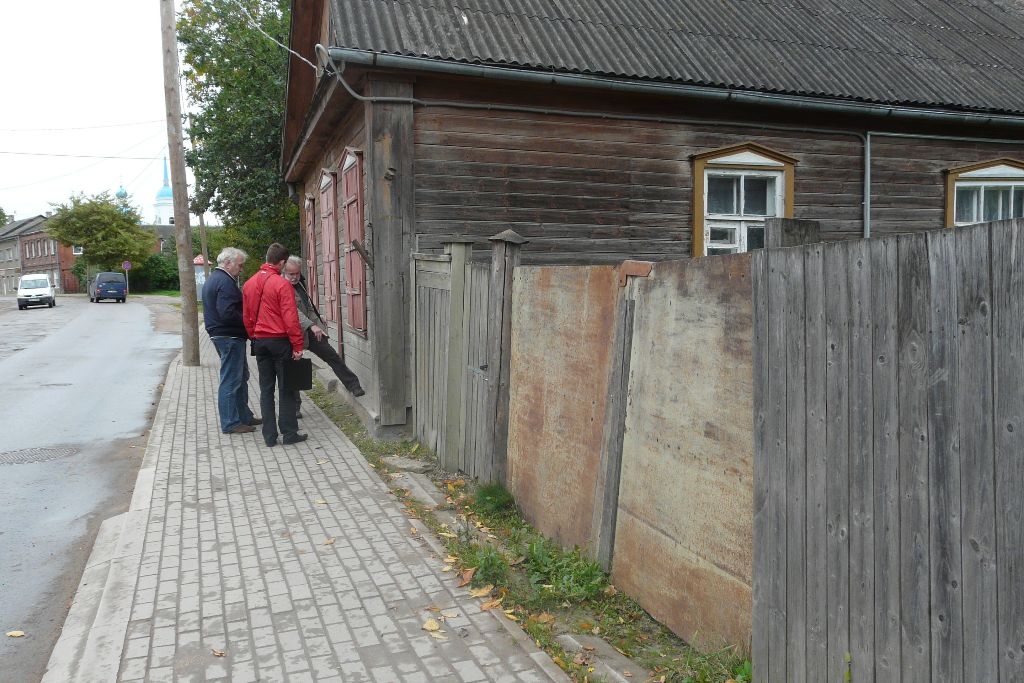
x,y
505,249
459,251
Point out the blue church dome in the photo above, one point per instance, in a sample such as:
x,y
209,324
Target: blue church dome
x,y
165,191
121,193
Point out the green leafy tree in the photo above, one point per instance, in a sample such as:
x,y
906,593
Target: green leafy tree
x,y
3,217
235,79
159,271
107,229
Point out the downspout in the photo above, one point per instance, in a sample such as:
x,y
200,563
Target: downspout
x,y
867,185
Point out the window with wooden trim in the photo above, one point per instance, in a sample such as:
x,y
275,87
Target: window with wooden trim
x,y
76,250
988,191
355,268
329,226
735,189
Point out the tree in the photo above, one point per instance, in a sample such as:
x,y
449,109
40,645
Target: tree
x,y
3,217
107,229
235,76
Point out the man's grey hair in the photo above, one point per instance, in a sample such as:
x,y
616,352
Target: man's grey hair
x,y
229,254
295,261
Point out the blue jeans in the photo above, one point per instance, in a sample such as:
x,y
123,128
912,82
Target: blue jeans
x,y
233,393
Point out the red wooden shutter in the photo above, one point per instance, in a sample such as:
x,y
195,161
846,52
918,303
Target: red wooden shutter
x,y
311,274
330,232
355,269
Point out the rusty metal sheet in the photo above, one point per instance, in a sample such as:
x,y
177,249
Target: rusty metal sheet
x,y
560,364
686,486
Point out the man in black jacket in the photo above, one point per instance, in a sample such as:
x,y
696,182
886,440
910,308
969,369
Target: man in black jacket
x,y
313,326
222,314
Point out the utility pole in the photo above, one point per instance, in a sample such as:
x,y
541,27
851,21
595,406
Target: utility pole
x,y
182,232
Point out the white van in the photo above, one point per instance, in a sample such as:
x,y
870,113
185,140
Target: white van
x,y
35,289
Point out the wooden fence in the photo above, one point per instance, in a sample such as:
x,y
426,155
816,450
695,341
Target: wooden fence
x,y
889,458
458,354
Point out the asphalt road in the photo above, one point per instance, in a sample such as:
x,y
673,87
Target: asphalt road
x,y
78,387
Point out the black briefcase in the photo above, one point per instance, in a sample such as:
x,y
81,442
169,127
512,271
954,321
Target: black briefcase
x,y
298,374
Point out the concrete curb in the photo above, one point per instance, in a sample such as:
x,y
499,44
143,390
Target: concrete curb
x,y
92,639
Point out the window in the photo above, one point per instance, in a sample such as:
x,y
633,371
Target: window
x,y
989,191
355,268
78,251
735,190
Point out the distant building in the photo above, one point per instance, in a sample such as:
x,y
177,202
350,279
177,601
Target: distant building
x,y
26,247
164,205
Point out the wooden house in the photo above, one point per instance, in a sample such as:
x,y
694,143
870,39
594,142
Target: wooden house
x,y
644,129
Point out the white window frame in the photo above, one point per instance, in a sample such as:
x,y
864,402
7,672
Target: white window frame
x,y
78,250
740,223
1017,187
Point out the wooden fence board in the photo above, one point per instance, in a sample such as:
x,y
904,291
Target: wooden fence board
x,y
1007,253
762,570
837,439
862,542
775,441
944,462
912,330
885,447
795,471
903,479
817,473
976,455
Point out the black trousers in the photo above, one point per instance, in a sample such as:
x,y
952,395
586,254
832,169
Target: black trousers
x,y
271,355
327,352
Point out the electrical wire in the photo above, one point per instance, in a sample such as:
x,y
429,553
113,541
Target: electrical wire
x,y
74,156
54,130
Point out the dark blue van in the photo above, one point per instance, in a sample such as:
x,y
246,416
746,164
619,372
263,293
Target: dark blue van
x,y
108,286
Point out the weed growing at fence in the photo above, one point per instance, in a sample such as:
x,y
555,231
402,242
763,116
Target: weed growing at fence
x,y
546,589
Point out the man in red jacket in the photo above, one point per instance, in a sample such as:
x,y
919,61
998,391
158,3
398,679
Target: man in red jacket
x,y
272,322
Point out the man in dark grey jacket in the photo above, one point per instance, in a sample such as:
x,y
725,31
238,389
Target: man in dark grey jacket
x,y
314,327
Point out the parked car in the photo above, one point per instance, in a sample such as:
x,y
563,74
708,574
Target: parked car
x,y
35,289
108,286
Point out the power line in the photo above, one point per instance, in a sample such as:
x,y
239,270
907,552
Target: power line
x,y
106,125
76,156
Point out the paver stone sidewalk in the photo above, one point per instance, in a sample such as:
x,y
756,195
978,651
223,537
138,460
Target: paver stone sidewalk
x,y
295,562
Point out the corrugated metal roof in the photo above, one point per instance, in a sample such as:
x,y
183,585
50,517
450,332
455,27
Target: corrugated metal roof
x,y
961,54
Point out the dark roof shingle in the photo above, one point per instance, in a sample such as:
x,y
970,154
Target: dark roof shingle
x,y
956,54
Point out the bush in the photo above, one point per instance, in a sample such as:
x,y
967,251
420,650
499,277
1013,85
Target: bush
x,y
160,271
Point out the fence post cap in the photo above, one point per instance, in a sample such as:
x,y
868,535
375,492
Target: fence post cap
x,y
510,236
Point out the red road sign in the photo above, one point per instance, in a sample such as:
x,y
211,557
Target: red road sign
x,y
126,265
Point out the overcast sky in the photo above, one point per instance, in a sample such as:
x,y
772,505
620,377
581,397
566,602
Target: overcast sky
x,y
81,102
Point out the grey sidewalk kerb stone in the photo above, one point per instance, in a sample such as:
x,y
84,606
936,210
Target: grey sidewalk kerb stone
x,y
241,562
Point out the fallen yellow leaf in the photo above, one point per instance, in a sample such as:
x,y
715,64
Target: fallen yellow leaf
x,y
511,615
320,501
15,634
627,674
445,534
413,530
451,559
329,541
466,576
611,590
545,618
481,592
431,625
519,560
322,462
438,636
217,653
491,604
449,614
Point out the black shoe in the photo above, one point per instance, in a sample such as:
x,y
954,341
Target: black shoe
x,y
298,416
298,438
271,444
358,391
255,421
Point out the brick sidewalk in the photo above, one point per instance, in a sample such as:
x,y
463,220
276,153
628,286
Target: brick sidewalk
x,y
232,552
